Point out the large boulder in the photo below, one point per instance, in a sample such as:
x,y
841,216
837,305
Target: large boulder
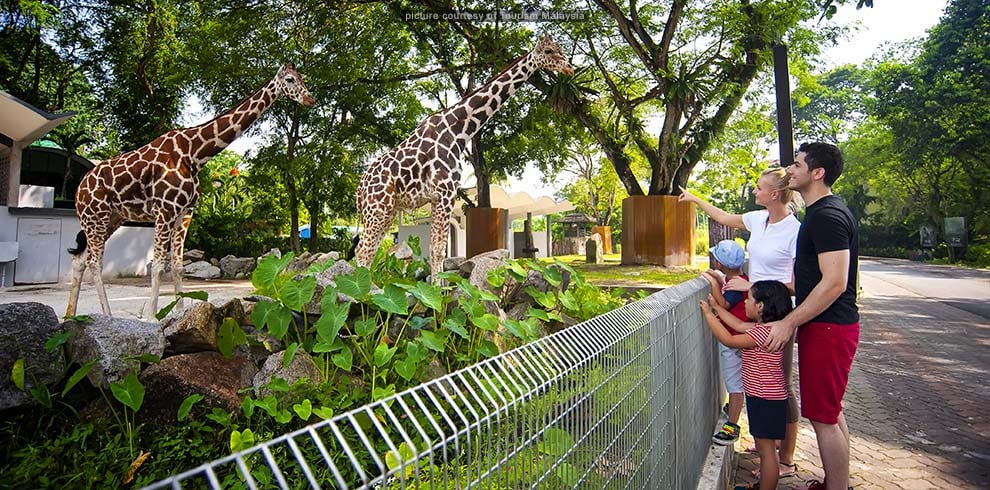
x,y
194,255
303,261
302,366
202,270
237,267
24,329
453,263
210,374
401,251
476,268
327,279
115,343
195,328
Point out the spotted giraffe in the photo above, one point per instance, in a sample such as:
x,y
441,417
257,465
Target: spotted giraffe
x,y
159,182
426,167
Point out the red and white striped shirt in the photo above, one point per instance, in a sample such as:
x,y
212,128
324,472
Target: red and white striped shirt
x,y
762,371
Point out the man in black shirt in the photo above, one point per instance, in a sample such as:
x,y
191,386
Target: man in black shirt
x,y
826,317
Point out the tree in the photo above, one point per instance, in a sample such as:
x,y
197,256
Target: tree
x,y
72,140
349,54
935,105
827,106
462,56
595,189
139,65
689,64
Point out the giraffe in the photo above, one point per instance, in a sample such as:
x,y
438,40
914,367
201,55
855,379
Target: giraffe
x,y
159,182
426,167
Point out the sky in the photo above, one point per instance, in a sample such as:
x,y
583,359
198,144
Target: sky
x,y
888,21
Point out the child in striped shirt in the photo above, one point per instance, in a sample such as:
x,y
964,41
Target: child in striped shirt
x,y
763,372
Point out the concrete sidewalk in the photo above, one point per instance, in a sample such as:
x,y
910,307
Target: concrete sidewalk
x,y
918,401
127,296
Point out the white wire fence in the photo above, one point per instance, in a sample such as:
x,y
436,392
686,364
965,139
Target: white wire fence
x,y
625,400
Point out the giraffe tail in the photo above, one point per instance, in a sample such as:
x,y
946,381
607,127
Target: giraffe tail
x,y
80,244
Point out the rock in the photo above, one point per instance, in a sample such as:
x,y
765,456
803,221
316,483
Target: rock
x,y
260,346
210,374
302,366
401,251
24,329
115,343
195,328
194,255
202,270
453,263
500,255
538,282
276,252
325,279
594,249
231,266
477,267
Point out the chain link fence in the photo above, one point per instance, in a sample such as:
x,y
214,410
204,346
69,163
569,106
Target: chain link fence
x,y
625,400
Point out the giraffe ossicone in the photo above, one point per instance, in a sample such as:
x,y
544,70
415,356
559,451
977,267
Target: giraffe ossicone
x,y
159,183
426,167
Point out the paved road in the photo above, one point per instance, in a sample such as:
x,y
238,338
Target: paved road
x,y
918,401
127,296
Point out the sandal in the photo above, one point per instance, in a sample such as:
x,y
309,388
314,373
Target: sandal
x,y
790,471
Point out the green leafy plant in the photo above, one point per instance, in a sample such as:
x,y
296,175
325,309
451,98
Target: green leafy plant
x,y
130,393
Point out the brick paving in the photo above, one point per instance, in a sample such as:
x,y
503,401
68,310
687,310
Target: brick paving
x,y
918,401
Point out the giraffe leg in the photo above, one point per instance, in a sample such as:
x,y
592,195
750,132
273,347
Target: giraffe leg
x,y
164,230
377,221
97,237
78,269
178,244
439,232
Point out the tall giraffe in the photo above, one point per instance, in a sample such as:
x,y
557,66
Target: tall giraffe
x,y
426,167
159,182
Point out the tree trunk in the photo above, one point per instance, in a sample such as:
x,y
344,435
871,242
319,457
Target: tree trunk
x,y
314,229
290,183
484,197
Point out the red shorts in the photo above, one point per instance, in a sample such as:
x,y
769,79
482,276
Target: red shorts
x,y
825,355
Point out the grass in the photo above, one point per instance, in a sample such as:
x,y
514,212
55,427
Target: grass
x,y
612,273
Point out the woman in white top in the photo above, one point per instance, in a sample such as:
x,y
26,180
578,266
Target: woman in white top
x,y
772,247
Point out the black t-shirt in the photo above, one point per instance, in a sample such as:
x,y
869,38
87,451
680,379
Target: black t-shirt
x,y
828,226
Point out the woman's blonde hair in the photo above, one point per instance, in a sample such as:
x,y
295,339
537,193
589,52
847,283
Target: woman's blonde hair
x,y
778,179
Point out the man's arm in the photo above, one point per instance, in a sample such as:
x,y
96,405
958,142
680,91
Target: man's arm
x,y
835,274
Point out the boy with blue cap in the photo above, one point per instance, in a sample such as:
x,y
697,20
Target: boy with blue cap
x,y
729,258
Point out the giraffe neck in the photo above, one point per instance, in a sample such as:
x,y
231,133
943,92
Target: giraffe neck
x,y
476,108
217,134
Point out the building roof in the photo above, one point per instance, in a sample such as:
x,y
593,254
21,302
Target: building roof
x,y
576,218
23,122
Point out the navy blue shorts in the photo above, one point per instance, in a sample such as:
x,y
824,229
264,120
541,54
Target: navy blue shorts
x,y
767,418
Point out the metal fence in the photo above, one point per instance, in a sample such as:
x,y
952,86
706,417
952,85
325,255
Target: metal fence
x,y
625,400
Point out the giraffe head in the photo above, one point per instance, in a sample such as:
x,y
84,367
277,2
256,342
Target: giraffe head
x,y
289,82
548,55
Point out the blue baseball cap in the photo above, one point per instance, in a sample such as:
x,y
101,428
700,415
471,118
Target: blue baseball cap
x,y
729,253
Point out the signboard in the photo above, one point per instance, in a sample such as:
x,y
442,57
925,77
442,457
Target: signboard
x,y
927,233
955,231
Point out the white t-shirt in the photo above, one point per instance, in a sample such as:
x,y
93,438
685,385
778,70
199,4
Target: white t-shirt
x,y
772,246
